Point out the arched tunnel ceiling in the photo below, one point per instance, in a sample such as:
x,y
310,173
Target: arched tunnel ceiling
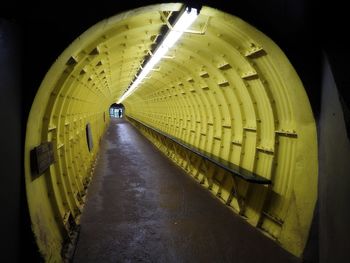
x,y
226,89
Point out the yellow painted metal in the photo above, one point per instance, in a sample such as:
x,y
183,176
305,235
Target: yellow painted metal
x,y
230,91
233,93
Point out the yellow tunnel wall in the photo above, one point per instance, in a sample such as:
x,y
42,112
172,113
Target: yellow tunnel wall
x,y
226,89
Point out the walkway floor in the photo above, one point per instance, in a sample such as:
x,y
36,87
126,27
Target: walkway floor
x,y
143,208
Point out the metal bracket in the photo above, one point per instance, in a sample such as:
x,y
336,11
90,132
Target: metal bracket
x,y
165,18
202,30
171,57
189,31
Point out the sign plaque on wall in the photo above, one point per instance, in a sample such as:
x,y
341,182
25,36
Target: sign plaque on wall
x,y
42,157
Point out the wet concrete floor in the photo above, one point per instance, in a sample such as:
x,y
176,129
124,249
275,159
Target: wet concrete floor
x,y
143,208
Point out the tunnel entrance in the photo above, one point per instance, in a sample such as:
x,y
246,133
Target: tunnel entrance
x,y
225,89
116,110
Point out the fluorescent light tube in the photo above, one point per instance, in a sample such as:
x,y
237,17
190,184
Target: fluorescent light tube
x,y
186,19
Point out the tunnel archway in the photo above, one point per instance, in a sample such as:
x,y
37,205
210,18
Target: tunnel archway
x,y
226,89
116,110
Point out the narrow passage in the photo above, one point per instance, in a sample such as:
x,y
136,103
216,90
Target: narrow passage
x,y
143,208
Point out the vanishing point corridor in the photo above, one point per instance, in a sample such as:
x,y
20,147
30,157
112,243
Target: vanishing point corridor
x,y
141,207
225,151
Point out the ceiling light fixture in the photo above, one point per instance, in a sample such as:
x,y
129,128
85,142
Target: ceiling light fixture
x,y
184,21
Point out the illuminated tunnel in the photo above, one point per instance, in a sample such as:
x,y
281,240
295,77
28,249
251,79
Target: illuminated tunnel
x,y
225,88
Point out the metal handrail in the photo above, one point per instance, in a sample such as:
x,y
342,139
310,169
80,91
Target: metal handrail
x,y
233,169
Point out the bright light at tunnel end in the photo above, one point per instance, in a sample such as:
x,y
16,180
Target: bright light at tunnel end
x,y
185,20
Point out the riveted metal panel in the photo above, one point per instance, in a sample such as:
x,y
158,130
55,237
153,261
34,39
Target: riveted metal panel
x,y
229,91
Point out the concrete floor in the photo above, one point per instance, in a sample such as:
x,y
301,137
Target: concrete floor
x,y
143,208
